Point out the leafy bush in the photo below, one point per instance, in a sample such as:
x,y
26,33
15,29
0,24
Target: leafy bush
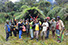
x,y
23,7
44,4
53,12
17,14
36,5
25,11
62,12
66,25
4,16
11,13
46,10
1,21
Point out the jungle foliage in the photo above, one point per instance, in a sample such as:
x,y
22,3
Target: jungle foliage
x,y
22,9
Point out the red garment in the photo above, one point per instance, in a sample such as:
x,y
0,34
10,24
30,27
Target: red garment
x,y
31,17
35,18
48,18
24,29
57,25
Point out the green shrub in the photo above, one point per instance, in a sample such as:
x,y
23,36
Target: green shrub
x,y
23,7
17,14
46,10
4,16
44,4
62,12
53,12
1,21
25,11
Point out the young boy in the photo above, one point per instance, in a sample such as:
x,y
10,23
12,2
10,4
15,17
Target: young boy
x,y
45,27
7,29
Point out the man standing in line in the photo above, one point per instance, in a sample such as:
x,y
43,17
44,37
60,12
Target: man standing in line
x,y
7,29
53,26
27,27
47,36
20,28
59,28
31,30
45,27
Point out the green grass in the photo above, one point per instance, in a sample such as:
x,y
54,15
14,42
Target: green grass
x,y
26,41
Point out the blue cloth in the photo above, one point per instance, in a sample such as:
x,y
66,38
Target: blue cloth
x,y
47,34
31,33
20,33
7,36
8,28
57,32
30,18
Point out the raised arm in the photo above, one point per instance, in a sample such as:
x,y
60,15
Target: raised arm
x,y
36,16
31,16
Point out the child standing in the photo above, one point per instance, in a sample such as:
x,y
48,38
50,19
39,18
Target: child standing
x,y
45,27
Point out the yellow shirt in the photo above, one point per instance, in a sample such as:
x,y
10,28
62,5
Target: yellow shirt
x,y
37,27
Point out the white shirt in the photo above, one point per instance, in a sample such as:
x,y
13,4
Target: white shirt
x,y
45,25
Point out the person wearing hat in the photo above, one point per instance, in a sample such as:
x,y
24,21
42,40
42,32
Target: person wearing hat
x,y
47,35
59,28
53,26
31,30
44,30
7,29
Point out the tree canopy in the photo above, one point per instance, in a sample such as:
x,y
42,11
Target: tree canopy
x,y
27,12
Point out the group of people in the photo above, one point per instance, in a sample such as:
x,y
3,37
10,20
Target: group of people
x,y
34,27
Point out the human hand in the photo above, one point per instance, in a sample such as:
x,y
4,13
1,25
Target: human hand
x,y
63,28
38,14
29,14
